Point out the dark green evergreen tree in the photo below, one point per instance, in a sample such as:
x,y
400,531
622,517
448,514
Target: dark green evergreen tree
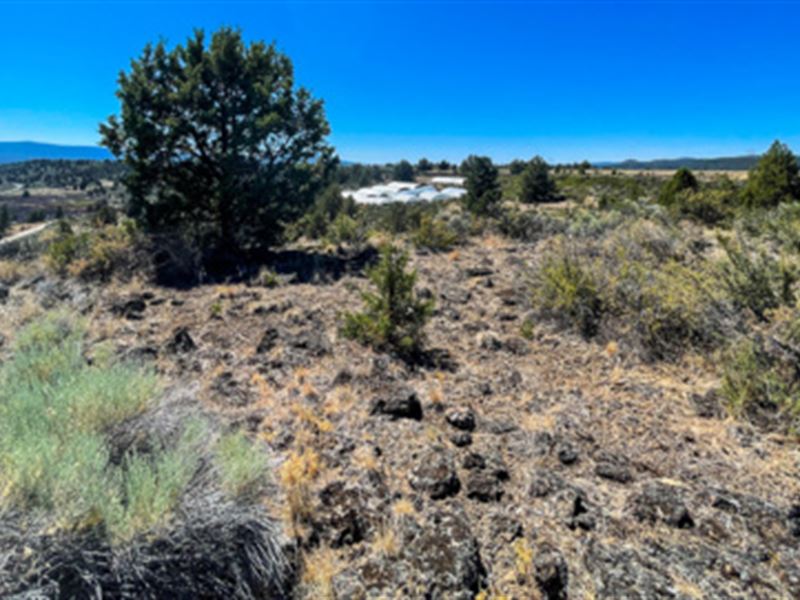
x,y
5,220
774,179
483,188
218,141
537,185
682,180
403,171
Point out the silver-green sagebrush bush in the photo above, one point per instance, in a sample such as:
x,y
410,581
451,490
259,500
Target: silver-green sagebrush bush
x,y
110,488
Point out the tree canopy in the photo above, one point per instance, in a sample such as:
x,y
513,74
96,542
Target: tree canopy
x,y
774,179
537,185
682,180
5,219
483,187
218,140
403,171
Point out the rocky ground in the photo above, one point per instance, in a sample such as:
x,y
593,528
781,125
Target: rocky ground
x,y
506,466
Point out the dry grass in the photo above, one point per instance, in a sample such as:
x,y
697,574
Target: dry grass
x,y
297,474
320,566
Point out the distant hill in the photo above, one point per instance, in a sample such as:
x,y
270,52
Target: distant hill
x,y
726,163
11,152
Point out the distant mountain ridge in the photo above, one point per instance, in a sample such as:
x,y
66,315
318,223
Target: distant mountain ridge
x,y
724,163
11,152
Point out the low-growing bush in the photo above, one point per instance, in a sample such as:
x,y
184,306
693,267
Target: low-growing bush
x,y
566,287
434,234
115,489
345,230
97,253
761,384
394,317
640,284
755,279
709,206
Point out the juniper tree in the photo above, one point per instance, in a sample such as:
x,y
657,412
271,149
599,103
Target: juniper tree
x,y
483,188
218,140
537,185
774,179
403,171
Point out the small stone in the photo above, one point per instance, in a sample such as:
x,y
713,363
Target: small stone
x,y
268,341
436,475
461,439
181,342
462,418
567,454
551,573
398,402
483,487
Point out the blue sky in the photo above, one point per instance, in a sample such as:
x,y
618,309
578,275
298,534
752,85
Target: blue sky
x,y
568,80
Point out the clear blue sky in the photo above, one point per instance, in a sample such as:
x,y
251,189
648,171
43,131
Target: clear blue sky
x,y
568,80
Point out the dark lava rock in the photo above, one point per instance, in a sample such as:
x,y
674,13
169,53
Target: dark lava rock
x,y
268,341
142,354
462,418
460,439
544,483
342,518
343,377
582,513
483,487
4,291
229,391
132,309
489,341
567,454
488,473
312,341
551,573
274,308
398,402
708,405
446,554
181,342
478,271
517,346
613,467
661,502
436,475
794,520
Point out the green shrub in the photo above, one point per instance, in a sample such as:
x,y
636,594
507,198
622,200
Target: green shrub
x,y
678,311
59,420
394,317
709,206
328,205
755,279
55,411
242,467
760,387
638,285
775,179
98,253
433,234
682,180
565,286
346,230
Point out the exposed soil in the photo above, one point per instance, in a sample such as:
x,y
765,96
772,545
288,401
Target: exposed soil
x,y
545,467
